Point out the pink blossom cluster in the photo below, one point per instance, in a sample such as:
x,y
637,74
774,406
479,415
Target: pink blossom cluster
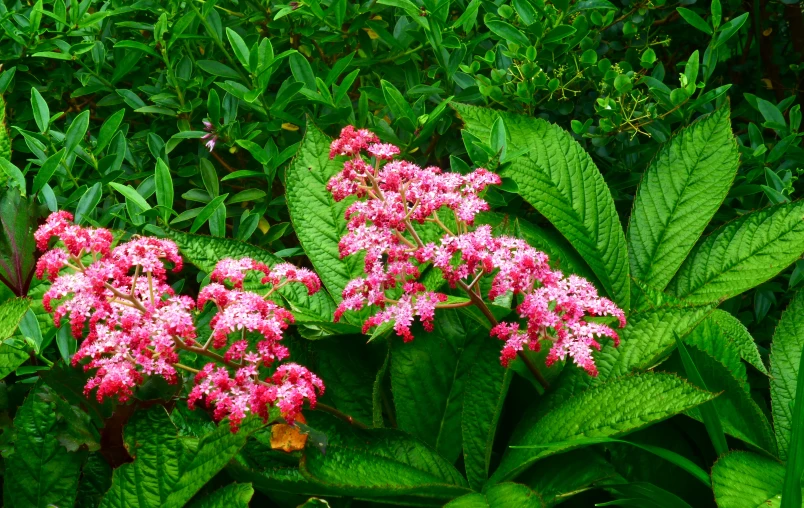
x,y
134,325
397,200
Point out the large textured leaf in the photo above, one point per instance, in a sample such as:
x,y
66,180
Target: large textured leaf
x,y
737,411
11,312
429,400
742,254
346,366
709,338
562,476
235,495
96,478
733,330
40,472
646,341
272,471
614,408
378,462
317,218
499,496
785,355
680,192
486,388
560,180
562,255
167,471
205,251
5,139
747,480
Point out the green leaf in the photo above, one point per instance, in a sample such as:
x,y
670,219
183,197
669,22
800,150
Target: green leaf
x,y
164,188
46,171
378,462
739,415
207,212
707,411
5,140
204,252
643,495
507,32
11,313
235,495
168,471
486,387
741,254
679,194
131,194
614,408
138,46
558,33
647,340
679,460
14,174
429,402
734,331
498,496
318,220
560,180
348,370
302,71
770,112
239,46
217,69
791,491
88,202
76,132
695,20
109,129
246,195
40,472
745,479
41,110
562,476
728,30
396,102
788,340
53,54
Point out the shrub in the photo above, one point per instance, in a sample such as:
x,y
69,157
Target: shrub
x,y
515,253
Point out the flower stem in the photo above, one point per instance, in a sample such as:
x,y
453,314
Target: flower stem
x,y
324,408
481,305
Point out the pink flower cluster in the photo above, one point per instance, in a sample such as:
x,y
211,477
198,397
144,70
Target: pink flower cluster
x,y
396,199
134,325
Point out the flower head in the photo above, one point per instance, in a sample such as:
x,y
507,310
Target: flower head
x,y
134,326
395,197
211,136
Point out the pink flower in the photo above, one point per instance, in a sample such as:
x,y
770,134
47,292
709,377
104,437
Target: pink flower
x,y
235,270
351,142
78,240
383,151
211,136
287,273
51,263
134,326
395,197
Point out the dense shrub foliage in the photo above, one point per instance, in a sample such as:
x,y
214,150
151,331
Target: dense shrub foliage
x,y
450,253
